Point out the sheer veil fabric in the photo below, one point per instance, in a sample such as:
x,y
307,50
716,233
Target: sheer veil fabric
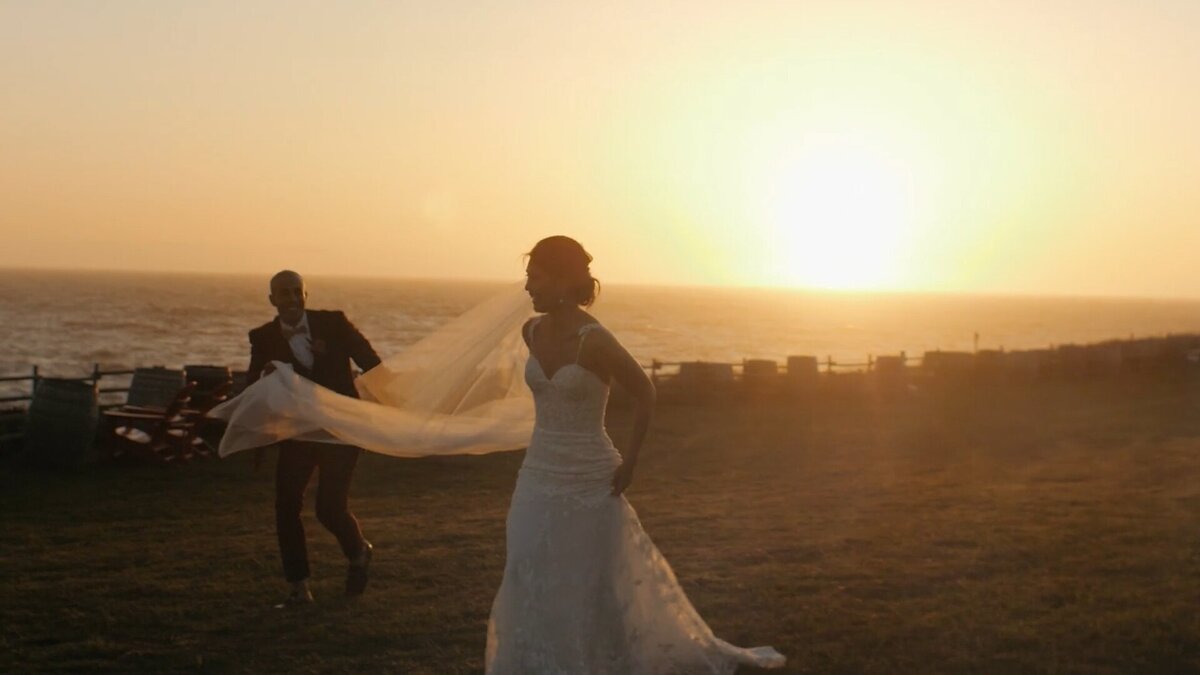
x,y
460,390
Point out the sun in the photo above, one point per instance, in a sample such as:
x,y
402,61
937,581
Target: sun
x,y
838,212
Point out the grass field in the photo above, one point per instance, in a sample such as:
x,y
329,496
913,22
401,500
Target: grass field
x,y
1050,530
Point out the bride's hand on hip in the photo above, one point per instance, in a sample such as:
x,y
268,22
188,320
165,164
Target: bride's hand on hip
x,y
622,477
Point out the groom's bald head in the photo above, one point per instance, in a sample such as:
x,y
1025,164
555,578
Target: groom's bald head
x,y
288,295
286,277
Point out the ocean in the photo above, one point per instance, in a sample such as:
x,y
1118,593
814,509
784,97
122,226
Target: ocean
x,y
66,321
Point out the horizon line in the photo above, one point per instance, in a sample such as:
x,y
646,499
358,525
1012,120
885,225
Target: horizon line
x,y
629,284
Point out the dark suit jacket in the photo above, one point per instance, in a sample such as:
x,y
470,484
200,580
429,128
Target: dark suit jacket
x,y
335,341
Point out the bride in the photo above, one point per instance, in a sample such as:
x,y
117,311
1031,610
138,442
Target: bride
x,y
584,589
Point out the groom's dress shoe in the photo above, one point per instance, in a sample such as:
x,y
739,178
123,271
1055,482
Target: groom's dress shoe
x,y
356,575
296,599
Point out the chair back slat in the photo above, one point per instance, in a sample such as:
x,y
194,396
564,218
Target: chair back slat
x,y
155,386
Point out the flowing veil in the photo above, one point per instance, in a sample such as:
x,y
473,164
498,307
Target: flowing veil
x,y
460,390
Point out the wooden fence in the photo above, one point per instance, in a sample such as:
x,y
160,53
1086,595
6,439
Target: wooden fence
x,y
1171,353
659,369
35,376
12,419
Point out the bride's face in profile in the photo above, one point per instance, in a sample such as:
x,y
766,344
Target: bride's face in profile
x,y
546,292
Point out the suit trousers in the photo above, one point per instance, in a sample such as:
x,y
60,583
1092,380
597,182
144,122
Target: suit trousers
x,y
294,469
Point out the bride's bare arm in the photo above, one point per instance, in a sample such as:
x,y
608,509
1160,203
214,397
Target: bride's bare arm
x,y
626,371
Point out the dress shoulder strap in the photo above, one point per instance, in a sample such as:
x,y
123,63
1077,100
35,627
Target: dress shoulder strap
x,y
584,330
529,327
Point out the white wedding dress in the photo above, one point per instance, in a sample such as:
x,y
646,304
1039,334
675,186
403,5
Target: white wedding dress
x,y
585,591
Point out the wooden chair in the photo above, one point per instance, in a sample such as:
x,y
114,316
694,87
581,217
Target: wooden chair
x,y
154,388
167,435
239,382
213,385
165,416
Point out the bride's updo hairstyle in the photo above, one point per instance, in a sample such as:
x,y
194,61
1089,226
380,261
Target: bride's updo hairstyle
x,y
564,259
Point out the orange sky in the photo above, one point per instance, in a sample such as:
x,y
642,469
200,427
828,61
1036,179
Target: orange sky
x,y
1030,147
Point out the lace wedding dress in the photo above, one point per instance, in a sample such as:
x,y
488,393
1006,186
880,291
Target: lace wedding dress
x,y
585,591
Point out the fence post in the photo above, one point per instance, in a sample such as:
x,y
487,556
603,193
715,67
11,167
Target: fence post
x,y
829,364
96,374
33,383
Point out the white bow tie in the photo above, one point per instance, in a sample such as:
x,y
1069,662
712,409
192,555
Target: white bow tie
x,y
291,331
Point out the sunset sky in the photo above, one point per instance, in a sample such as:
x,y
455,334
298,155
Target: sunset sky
x,y
1020,146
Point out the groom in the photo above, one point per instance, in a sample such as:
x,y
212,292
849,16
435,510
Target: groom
x,y
319,345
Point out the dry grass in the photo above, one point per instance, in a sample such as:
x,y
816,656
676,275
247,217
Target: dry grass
x,y
1054,530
